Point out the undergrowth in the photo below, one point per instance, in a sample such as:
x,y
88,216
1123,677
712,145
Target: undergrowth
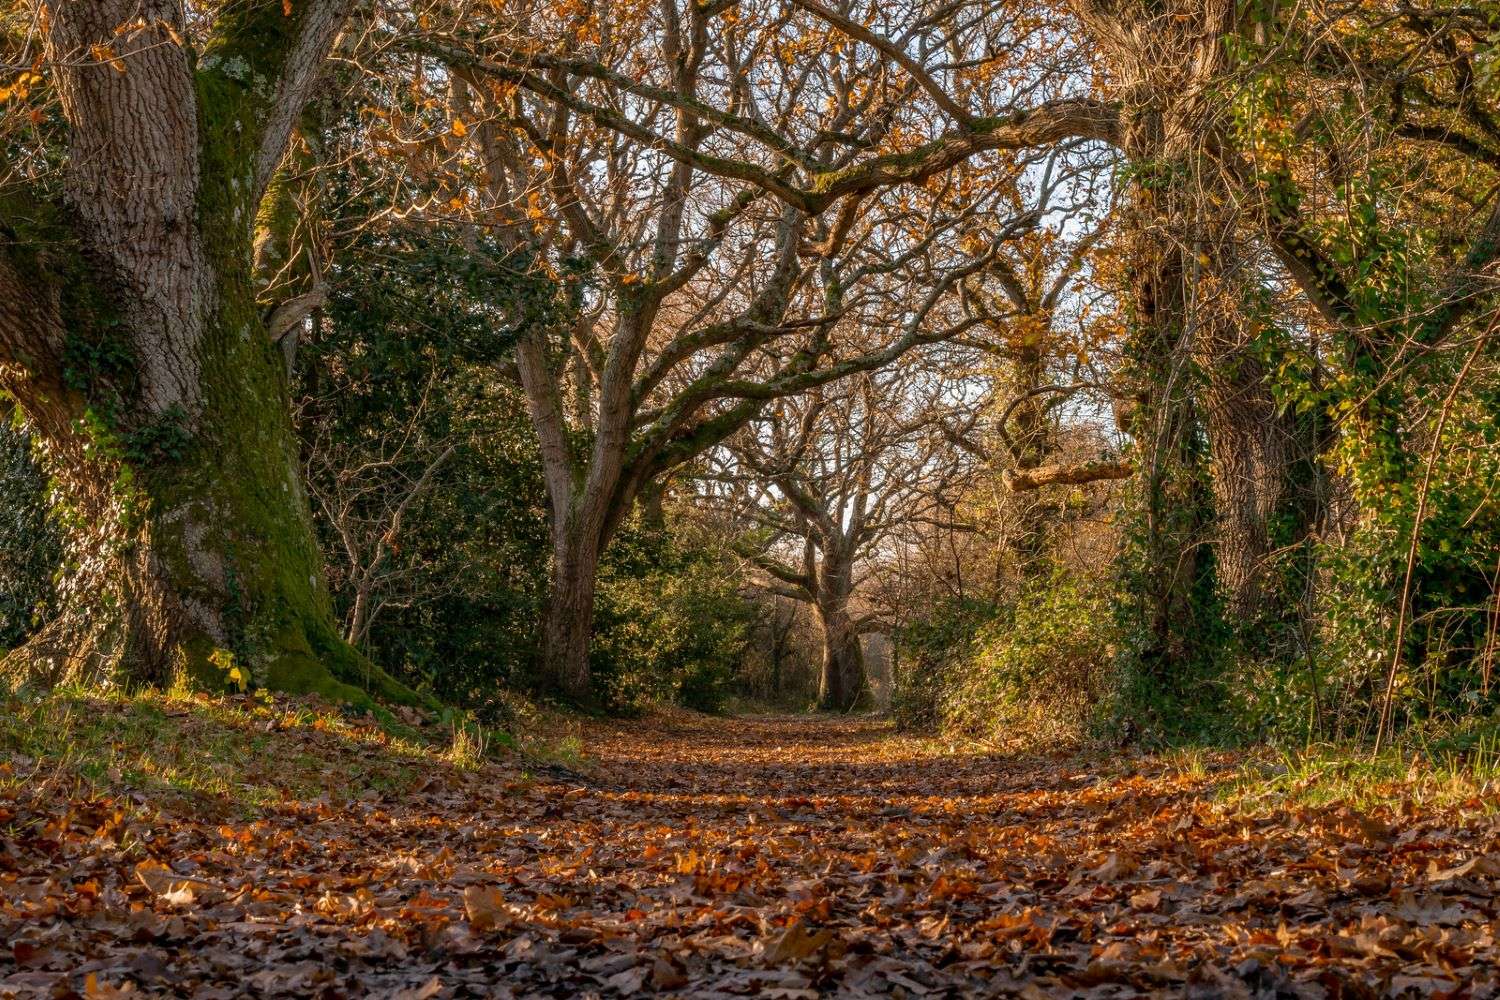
x,y
247,753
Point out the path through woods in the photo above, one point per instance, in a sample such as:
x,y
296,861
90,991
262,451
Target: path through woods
x,y
785,857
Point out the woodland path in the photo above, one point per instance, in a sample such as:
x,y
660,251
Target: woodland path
x,y
774,857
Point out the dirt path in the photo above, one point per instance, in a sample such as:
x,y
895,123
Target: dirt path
x,y
785,857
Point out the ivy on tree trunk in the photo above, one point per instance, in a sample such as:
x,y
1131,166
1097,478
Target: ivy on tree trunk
x,y
139,356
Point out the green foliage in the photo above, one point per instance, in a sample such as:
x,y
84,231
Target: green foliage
x,y
30,547
163,439
670,622
98,364
1036,666
409,353
480,540
928,652
1040,668
1173,639
1168,676
242,755
1398,243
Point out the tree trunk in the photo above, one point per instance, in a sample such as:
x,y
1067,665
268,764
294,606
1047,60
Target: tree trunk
x,y
841,682
1170,579
186,546
141,362
570,609
1034,442
1263,473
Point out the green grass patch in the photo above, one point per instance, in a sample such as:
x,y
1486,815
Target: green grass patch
x,y
1432,776
245,753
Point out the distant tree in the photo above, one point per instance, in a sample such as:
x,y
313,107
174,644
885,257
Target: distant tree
x,y
827,479
711,180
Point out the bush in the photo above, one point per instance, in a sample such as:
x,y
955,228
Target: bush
x,y
1037,666
670,624
926,654
1040,668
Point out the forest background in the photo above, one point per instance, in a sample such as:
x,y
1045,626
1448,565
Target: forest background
x,y
1080,371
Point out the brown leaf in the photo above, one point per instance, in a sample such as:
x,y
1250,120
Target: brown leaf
x,y
179,890
666,976
431,988
485,907
1115,867
1481,866
796,943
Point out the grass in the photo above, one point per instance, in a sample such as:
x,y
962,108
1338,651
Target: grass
x,y
1422,775
244,753
1441,770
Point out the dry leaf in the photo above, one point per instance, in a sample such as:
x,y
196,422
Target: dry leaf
x,y
485,907
666,976
179,890
796,943
1115,867
1480,866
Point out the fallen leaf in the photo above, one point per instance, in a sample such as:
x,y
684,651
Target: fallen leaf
x,y
796,943
1115,867
485,907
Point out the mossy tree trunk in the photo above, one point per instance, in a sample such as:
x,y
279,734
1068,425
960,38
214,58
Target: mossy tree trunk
x,y
1225,477
1172,573
134,345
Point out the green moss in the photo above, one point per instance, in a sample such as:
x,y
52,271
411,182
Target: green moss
x,y
215,493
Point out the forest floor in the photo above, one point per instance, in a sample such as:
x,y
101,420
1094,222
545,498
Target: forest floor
x,y
249,847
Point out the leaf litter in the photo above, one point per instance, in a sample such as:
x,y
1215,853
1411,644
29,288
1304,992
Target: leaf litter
x,y
770,857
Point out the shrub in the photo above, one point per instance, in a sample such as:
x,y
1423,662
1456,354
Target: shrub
x,y
926,654
1040,668
670,624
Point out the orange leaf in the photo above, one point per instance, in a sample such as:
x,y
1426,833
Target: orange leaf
x,y
485,907
796,943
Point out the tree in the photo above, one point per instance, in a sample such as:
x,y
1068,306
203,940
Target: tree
x,y
830,477
133,342
712,249
1389,234
1033,365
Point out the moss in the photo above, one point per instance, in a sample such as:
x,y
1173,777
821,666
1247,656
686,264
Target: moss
x,y
215,493
197,671
296,673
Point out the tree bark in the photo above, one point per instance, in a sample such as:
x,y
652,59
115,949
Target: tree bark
x,y
136,350
570,608
1262,471
1034,478
841,682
